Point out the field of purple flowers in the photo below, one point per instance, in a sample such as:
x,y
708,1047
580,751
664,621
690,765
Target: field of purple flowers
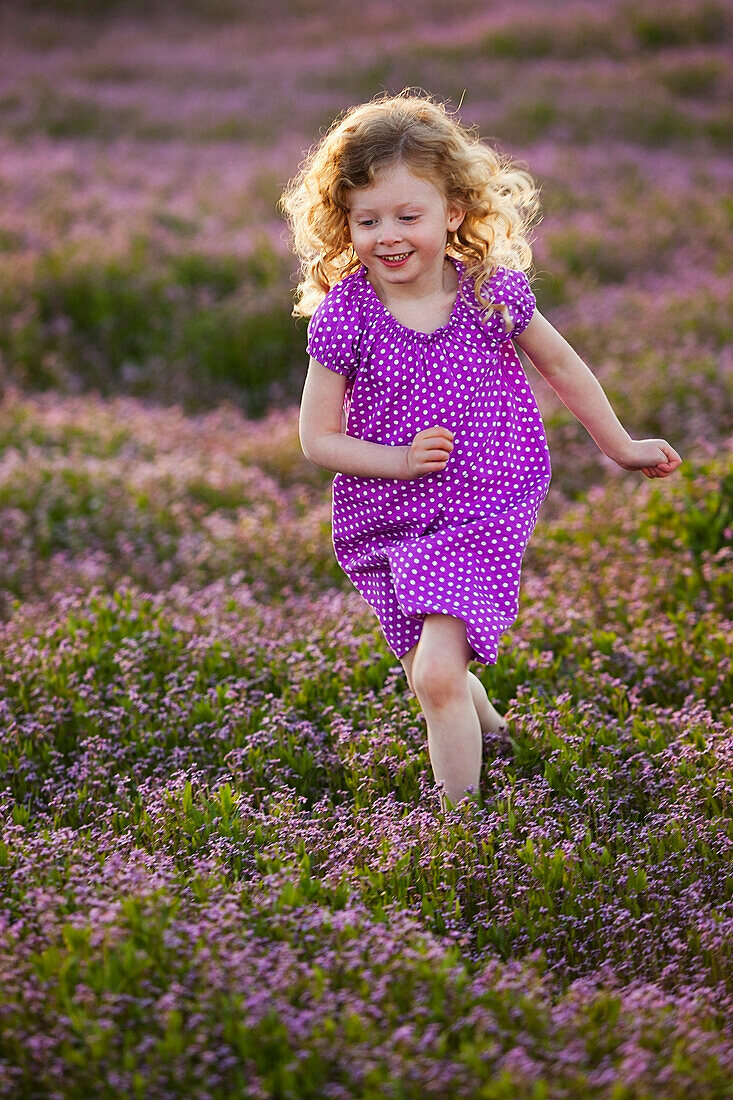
x,y
223,867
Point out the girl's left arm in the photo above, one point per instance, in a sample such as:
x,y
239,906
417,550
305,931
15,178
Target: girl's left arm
x,y
579,389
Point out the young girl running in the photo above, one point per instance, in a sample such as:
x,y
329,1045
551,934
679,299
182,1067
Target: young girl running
x,y
413,236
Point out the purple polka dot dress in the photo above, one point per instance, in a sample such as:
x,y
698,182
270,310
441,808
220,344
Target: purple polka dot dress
x,y
449,542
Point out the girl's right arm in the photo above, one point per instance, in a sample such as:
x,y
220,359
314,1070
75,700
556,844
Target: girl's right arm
x,y
324,443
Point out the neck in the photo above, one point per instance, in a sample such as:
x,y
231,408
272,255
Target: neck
x,y
435,284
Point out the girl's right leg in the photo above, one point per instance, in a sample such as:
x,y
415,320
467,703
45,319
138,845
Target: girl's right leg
x,y
440,681
491,721
439,674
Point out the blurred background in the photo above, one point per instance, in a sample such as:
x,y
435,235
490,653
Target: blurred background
x,y
145,275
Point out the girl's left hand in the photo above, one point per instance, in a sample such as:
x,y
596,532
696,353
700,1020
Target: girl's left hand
x,y
654,457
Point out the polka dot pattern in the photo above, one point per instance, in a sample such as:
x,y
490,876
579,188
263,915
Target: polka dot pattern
x,y
449,542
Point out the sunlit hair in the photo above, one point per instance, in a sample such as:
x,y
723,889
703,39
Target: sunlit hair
x,y
500,199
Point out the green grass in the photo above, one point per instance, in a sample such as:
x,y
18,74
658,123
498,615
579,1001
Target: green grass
x,y
188,326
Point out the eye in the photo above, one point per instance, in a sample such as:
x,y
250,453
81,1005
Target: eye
x,y
367,222
409,217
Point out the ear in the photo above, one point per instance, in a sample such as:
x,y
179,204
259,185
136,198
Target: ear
x,y
456,214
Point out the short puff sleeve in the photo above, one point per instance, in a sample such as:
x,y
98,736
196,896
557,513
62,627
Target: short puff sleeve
x,y
334,332
520,300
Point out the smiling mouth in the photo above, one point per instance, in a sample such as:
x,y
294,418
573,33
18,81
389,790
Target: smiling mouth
x,y
397,256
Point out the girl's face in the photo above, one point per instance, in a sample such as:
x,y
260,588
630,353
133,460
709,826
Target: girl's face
x,y
399,227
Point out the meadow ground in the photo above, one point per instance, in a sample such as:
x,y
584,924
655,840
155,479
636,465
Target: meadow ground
x,y
223,867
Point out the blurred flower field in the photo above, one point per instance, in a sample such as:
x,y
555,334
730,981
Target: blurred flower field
x,y
223,869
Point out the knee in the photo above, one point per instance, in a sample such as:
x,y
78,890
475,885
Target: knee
x,y
436,681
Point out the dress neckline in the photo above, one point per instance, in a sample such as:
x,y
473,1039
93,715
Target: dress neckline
x,y
458,265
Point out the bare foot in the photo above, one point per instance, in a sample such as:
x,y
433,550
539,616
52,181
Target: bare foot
x,y
490,719
496,724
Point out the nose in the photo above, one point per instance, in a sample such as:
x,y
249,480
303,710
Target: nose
x,y
390,233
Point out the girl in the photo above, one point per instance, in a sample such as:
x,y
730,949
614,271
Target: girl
x,y
413,237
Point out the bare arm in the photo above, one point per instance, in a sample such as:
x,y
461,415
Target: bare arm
x,y
323,442
579,389
322,438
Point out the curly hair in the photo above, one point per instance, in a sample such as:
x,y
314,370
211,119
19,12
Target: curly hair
x,y
499,197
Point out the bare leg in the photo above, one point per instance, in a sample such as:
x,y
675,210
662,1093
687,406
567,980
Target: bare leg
x,y
454,745
443,690
489,719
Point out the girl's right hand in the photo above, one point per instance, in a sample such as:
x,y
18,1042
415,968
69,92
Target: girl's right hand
x,y
429,451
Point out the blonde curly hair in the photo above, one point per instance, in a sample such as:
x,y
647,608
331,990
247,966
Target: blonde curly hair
x,y
500,198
